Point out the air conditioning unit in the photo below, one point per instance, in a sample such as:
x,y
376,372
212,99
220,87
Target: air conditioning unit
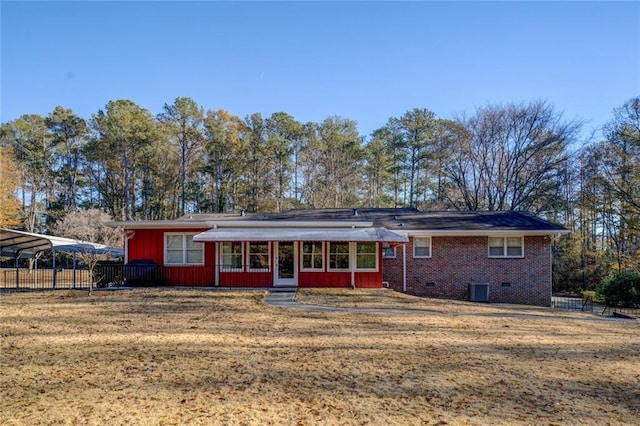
x,y
479,292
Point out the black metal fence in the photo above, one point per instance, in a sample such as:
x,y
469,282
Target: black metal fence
x,y
12,279
587,304
134,275
572,303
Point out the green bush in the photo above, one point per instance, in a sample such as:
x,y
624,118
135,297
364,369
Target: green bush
x,y
621,289
592,296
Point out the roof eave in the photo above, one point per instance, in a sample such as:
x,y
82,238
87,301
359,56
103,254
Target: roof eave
x,y
185,224
479,233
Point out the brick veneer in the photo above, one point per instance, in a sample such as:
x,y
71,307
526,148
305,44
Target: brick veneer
x,y
458,261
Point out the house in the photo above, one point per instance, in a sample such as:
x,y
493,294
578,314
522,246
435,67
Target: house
x,y
488,256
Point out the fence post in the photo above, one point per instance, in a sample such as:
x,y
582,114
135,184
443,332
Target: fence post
x,y
74,270
17,274
54,269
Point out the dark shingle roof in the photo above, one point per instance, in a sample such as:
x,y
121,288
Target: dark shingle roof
x,y
472,221
407,219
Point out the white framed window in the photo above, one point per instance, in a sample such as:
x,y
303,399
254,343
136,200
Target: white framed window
x,y
339,256
388,251
312,256
231,256
180,249
506,246
421,247
353,256
259,256
366,256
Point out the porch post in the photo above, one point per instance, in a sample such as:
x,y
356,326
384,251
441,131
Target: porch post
x,y
404,268
216,271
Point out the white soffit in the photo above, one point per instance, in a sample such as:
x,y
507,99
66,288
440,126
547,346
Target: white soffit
x,y
185,224
301,234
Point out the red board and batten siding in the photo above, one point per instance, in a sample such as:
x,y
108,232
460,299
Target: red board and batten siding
x,y
458,261
149,244
339,279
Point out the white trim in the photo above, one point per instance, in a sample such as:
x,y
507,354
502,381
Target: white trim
x,y
404,268
277,281
227,268
395,254
292,224
184,249
504,246
349,256
322,254
248,267
126,252
235,223
216,278
355,257
422,237
300,234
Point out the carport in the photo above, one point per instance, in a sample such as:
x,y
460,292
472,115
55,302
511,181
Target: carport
x,y
27,245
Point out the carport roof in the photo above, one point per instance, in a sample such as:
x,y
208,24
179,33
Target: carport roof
x,y
26,244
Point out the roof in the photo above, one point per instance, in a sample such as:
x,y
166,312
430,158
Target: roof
x,y
473,223
26,244
304,234
399,220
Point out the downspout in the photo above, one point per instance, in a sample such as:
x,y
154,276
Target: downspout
x,y
550,238
352,256
126,249
216,266
404,268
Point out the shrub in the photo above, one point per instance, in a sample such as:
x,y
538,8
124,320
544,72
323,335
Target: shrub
x,y
592,296
621,289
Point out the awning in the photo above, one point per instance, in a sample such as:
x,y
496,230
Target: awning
x,y
26,244
301,234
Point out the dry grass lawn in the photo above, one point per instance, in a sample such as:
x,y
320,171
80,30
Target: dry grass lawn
x,y
202,357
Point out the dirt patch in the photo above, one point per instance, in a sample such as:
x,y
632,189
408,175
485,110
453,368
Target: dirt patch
x,y
197,357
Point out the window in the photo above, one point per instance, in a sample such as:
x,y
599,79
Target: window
x,y
338,255
366,255
506,246
258,255
312,255
231,256
388,252
180,249
421,246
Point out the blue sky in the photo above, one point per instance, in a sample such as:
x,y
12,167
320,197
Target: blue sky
x,y
361,60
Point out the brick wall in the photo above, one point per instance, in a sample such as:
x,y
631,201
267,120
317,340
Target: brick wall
x,y
458,261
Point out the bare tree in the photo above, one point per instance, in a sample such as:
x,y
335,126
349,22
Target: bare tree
x,y
513,158
90,226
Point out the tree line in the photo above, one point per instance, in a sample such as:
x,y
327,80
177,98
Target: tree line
x,y
133,165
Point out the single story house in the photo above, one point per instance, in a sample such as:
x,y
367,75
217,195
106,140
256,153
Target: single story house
x,y
484,256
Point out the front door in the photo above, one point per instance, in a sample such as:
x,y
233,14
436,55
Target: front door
x,y
285,273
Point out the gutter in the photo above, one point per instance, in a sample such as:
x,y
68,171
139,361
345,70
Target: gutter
x,y
404,268
178,224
